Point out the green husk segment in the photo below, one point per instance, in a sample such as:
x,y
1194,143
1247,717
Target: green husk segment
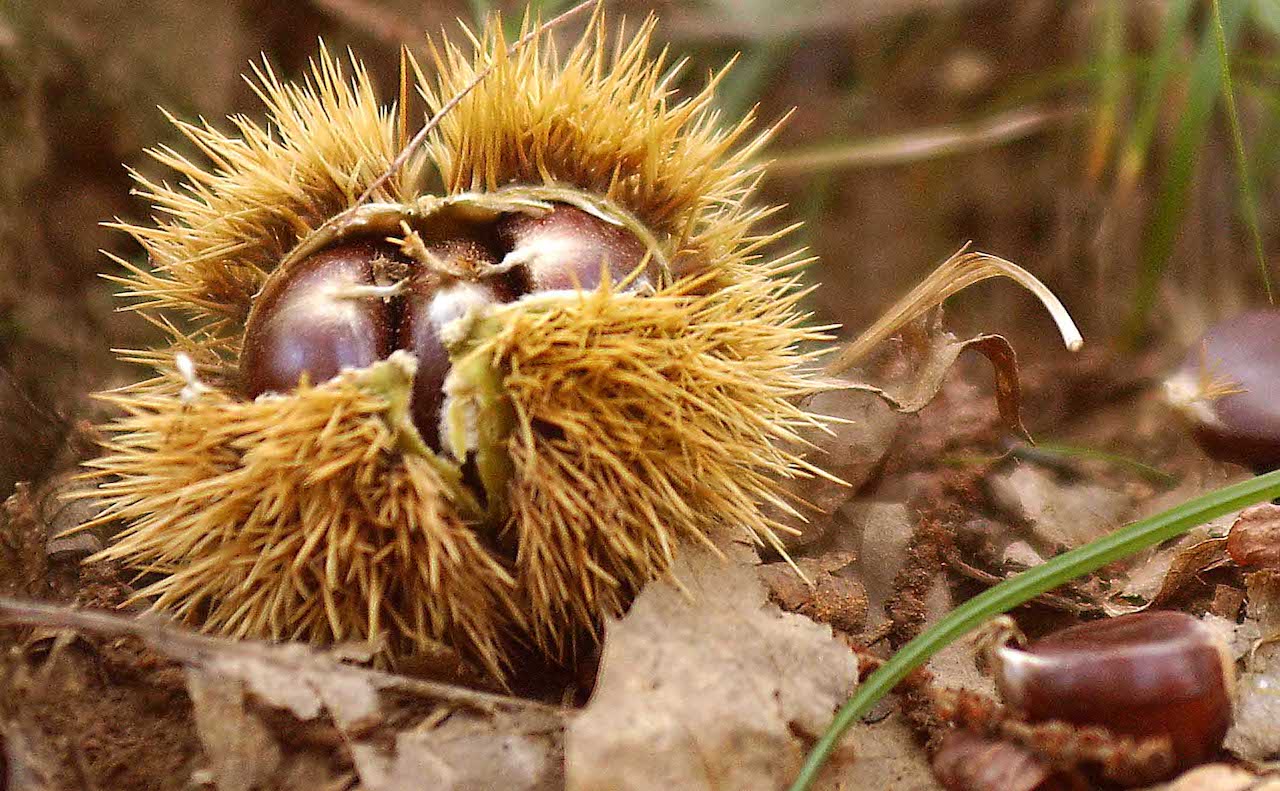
x,y
1024,587
479,417
392,380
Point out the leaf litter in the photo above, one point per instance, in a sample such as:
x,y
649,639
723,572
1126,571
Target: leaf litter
x,y
718,678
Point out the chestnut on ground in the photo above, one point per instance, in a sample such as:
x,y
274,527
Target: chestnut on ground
x,y
1228,389
1145,675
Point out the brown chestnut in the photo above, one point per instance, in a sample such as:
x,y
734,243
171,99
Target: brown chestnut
x,y
1144,675
430,305
310,320
1228,387
566,248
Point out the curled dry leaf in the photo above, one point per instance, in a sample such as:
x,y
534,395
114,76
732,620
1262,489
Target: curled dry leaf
x,y
706,688
929,353
1168,572
966,761
1254,539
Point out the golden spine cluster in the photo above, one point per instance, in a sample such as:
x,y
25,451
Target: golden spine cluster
x,y
640,420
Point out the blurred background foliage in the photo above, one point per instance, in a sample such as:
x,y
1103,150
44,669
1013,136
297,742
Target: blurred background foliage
x,y
1106,145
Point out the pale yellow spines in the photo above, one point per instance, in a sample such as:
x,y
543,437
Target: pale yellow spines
x,y
298,517
227,224
644,423
603,120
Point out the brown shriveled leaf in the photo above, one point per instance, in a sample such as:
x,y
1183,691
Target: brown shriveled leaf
x,y
832,598
1255,730
966,761
1254,539
1168,571
706,688
1058,515
465,752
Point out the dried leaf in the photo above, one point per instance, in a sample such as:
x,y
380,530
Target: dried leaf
x,y
1254,539
966,761
465,753
826,597
1058,515
241,751
933,350
1168,572
706,689
1255,731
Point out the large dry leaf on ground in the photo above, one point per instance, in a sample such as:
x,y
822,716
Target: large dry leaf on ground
x,y
1058,515
706,689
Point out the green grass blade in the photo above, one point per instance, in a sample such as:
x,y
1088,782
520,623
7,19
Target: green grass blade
x,y
1248,200
480,10
1026,586
1133,155
1193,126
1111,82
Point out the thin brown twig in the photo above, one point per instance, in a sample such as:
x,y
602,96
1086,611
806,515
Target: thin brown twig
x,y
199,651
434,121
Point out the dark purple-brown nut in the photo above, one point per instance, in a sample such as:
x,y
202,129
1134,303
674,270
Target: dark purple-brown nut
x,y
1146,675
566,248
313,320
431,303
1228,387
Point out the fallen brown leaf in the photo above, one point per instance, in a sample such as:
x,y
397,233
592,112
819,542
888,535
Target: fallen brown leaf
x,y
708,687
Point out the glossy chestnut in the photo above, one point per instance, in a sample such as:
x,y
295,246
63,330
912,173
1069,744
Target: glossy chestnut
x,y
1228,387
1144,675
312,320
567,248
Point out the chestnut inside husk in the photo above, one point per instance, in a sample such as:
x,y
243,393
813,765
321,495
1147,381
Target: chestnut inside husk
x,y
360,297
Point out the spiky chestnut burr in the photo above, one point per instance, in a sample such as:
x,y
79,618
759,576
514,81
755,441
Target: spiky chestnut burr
x,y
589,364
1227,388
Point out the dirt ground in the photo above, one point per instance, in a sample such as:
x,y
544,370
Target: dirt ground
x,y
727,679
